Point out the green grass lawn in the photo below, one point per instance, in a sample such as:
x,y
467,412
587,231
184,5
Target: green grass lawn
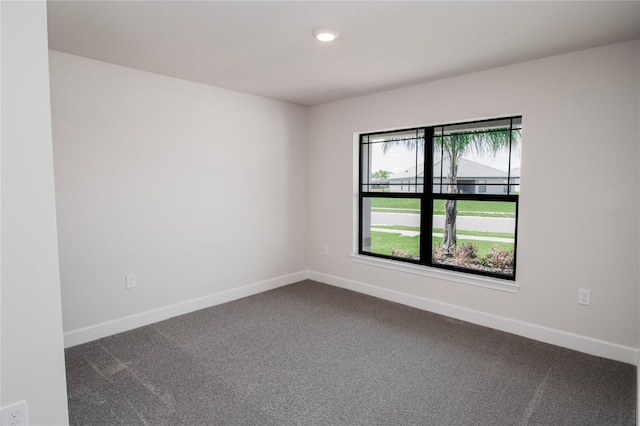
x,y
465,207
396,203
400,227
479,208
478,233
383,242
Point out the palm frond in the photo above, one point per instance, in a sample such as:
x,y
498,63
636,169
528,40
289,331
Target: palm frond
x,y
409,144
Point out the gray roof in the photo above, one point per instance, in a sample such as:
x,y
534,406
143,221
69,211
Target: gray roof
x,y
409,173
466,169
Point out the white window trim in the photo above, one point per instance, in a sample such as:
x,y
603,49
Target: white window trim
x,y
426,271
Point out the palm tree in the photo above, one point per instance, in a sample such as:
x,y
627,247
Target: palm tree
x,y
451,147
380,177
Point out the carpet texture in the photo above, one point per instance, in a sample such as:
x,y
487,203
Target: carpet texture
x,y
312,354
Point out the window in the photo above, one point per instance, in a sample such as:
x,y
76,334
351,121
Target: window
x,y
482,185
450,198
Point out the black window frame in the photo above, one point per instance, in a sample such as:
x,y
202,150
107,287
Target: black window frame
x,y
427,198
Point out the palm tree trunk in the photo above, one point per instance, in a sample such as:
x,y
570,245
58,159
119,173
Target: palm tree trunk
x,y
450,211
449,240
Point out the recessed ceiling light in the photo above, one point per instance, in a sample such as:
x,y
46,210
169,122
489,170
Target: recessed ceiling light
x,y
325,34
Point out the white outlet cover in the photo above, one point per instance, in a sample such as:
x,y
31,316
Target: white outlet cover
x,y
584,297
14,414
131,281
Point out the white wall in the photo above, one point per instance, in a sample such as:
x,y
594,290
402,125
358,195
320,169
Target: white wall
x,y
579,159
32,353
198,190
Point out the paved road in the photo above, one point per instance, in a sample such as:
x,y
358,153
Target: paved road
x,y
463,223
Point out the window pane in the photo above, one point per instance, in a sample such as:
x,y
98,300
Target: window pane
x,y
391,226
365,163
476,160
439,176
392,162
475,235
471,155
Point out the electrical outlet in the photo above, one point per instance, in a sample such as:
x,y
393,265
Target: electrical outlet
x,y
325,250
131,280
584,297
15,414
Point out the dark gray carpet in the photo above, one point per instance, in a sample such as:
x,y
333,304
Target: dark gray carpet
x,y
312,354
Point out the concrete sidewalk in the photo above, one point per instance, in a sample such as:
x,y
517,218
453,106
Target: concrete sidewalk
x,y
406,233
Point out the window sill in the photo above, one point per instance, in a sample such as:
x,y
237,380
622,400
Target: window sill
x,y
457,277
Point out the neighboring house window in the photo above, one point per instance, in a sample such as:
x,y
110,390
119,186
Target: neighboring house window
x,y
443,222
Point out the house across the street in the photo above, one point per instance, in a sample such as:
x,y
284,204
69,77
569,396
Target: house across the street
x,y
473,178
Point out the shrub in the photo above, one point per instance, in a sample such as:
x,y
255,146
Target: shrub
x,y
499,259
466,252
466,256
459,255
400,253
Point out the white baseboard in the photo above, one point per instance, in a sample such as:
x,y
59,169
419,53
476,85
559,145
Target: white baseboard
x,y
560,338
108,328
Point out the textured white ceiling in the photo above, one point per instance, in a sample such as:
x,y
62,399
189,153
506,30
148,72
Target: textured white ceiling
x,y
266,48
